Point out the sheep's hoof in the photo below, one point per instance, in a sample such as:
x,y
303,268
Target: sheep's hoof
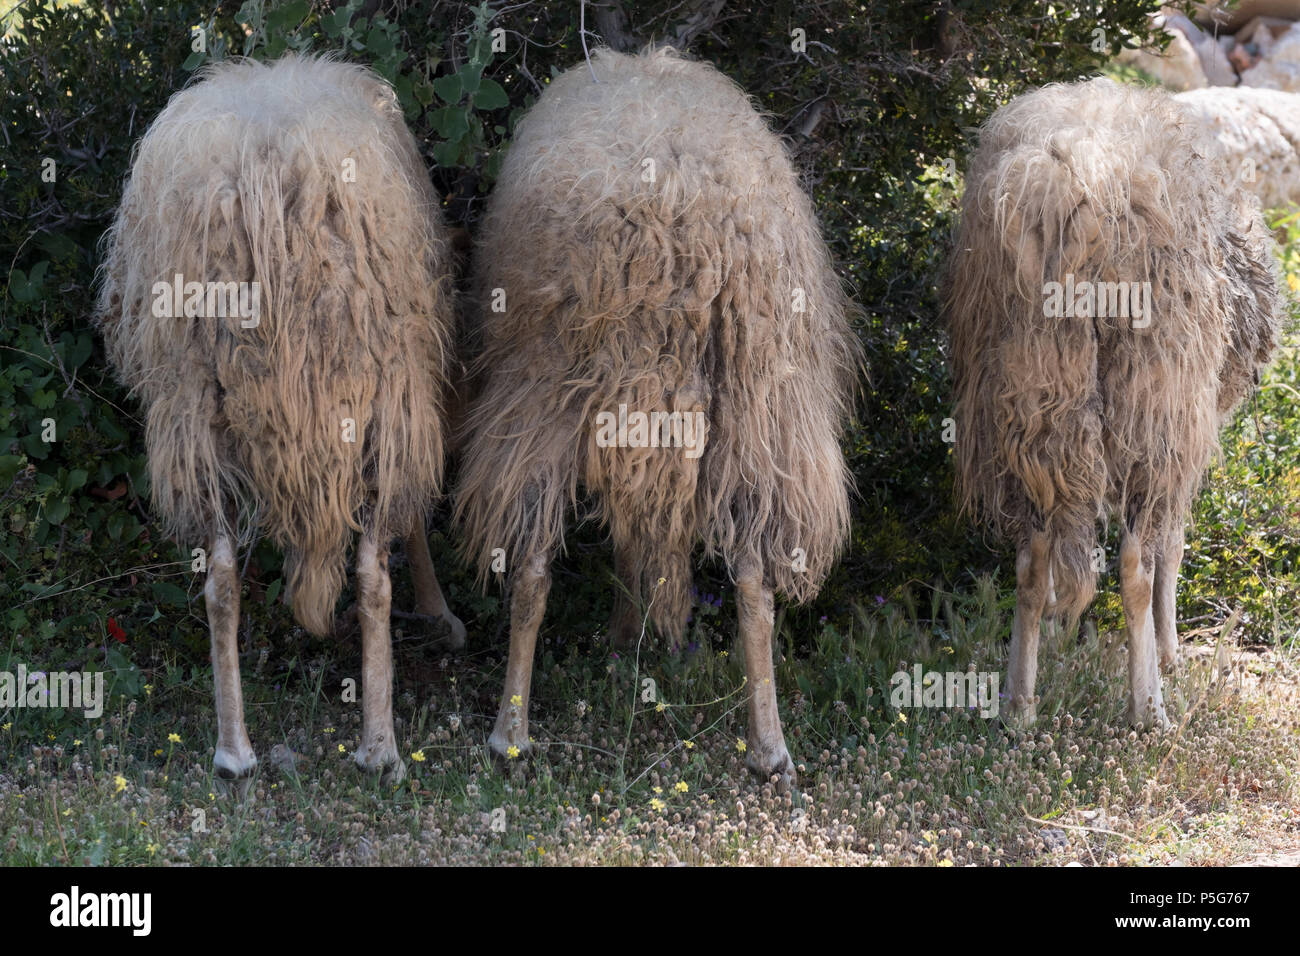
x,y
766,762
234,772
445,629
382,760
451,632
1171,663
505,751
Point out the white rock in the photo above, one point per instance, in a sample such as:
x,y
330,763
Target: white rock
x,y
1214,62
1231,17
1280,69
1179,68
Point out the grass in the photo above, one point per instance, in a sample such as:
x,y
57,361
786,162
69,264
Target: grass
x,y
630,772
621,775
617,779
627,771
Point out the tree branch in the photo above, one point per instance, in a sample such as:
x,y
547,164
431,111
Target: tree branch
x,y
611,23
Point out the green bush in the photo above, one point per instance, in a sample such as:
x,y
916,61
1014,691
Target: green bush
x,y
876,101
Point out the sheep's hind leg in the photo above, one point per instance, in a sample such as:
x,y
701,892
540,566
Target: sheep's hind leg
x,y
1146,704
234,760
528,592
1165,609
1052,628
428,595
626,621
766,753
1033,582
378,750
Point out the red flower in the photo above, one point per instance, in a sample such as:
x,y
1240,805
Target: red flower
x,y
116,630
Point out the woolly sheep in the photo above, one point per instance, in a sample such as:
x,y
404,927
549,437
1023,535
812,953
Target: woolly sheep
x,y
318,412
648,250
1113,410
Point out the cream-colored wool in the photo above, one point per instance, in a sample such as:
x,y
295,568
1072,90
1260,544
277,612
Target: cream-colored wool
x,y
652,243
247,175
1060,421
1257,133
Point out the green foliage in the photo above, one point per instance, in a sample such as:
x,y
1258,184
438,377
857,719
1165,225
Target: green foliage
x,y
453,105
629,774
75,540
1244,543
876,106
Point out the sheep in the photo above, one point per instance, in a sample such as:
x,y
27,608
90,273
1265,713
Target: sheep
x,y
1111,297
1257,133
314,409
661,327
